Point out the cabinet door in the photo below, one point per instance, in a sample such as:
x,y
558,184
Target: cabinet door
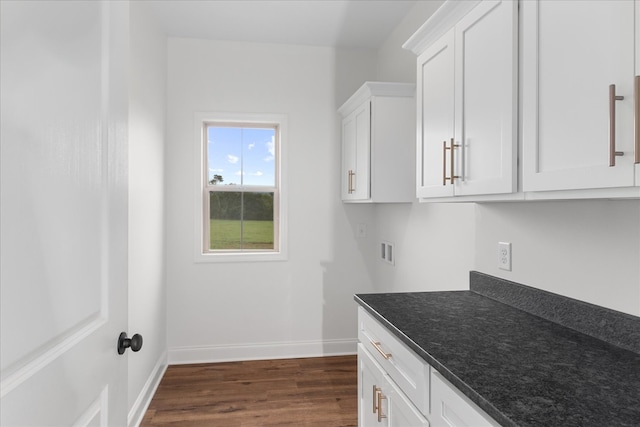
x,y
370,384
402,413
450,408
485,99
572,52
356,154
435,115
636,132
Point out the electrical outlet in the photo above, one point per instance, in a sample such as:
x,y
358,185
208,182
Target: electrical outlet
x,y
387,253
504,256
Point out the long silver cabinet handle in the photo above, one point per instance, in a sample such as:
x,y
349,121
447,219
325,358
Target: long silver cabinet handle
x,y
612,125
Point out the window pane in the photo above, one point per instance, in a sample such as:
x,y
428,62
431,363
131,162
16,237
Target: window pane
x,y
224,155
225,220
241,220
259,157
241,156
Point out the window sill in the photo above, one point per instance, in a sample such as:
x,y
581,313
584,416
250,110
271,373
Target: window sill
x,y
240,257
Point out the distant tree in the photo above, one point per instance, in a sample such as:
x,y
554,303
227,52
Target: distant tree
x,y
241,205
216,179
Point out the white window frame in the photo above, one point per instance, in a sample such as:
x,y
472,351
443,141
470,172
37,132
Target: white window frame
x,y
202,252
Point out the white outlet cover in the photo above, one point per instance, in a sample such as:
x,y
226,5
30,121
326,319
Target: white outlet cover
x,y
504,256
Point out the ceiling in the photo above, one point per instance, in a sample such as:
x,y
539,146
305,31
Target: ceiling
x,y
339,23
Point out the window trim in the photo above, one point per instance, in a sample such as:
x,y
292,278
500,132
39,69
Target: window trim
x,y
280,197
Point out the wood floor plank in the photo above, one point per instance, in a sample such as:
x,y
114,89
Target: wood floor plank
x,y
308,392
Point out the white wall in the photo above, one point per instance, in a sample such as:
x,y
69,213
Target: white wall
x,y
437,244
434,243
588,250
147,295
393,62
302,306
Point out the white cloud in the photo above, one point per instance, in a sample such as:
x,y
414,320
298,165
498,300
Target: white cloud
x,y
232,159
238,173
257,173
212,170
271,148
250,146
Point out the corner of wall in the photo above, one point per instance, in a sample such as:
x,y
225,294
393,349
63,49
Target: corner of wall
x,y
141,404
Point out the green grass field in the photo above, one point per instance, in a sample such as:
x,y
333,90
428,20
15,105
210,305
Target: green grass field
x,y
226,234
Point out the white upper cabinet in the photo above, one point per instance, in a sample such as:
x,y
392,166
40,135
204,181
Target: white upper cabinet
x,y
435,92
467,100
356,154
378,148
578,68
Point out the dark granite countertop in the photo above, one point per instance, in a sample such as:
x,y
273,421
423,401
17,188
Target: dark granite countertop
x,y
521,369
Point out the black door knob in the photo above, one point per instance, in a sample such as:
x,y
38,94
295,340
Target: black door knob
x,y
135,342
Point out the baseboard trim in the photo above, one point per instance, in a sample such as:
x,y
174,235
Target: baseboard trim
x,y
136,413
262,351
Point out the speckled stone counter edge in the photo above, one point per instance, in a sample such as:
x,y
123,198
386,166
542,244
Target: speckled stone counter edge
x,y
614,327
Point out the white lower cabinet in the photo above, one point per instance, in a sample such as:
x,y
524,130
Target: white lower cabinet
x,y
380,401
370,382
396,388
451,408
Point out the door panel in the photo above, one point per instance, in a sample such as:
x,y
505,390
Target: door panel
x,y
348,155
356,154
369,376
64,212
572,52
435,91
486,107
363,152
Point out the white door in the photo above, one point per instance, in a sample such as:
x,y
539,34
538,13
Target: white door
x,y
572,52
435,96
64,213
485,99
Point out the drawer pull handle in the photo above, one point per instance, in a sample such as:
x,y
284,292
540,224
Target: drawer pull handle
x,y
612,125
376,345
380,414
444,162
453,177
351,188
636,118
376,390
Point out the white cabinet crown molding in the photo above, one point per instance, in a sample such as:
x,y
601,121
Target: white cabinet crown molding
x,y
369,89
438,24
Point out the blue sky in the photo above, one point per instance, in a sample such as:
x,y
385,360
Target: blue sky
x,y
242,155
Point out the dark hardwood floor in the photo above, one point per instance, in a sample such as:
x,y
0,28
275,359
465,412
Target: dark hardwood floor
x,y
289,392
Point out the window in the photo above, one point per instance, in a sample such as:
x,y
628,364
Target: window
x,y
241,182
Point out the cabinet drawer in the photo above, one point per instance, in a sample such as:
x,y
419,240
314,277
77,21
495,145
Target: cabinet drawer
x,y
409,371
